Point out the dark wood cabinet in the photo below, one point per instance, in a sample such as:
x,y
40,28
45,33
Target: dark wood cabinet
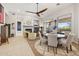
x,y
4,34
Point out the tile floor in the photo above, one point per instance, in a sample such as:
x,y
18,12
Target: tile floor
x,y
18,46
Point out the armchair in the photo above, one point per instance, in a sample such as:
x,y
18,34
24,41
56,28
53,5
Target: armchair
x,y
67,42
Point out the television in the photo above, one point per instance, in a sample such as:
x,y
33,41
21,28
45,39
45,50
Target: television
x,y
66,26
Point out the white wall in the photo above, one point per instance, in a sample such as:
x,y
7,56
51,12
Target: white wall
x,y
77,16
9,19
76,20
25,19
13,19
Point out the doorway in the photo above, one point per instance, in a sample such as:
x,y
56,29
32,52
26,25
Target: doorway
x,y
9,33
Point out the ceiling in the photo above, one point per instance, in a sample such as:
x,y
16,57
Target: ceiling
x,y
22,7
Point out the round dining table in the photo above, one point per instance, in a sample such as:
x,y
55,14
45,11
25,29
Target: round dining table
x,y
58,35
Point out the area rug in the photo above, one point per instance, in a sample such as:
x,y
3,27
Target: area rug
x,y
42,49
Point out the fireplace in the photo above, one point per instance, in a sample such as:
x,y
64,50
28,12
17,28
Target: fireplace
x,y
29,30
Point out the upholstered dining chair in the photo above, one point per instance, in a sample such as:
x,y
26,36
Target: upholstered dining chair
x,y
42,39
52,41
66,33
67,42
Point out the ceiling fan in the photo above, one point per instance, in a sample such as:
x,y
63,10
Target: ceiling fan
x,y
38,12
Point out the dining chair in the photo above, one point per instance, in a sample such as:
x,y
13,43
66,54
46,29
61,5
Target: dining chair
x,y
42,39
67,42
52,41
67,33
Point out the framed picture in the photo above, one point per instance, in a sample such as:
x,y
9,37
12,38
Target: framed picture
x,y
1,14
19,26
